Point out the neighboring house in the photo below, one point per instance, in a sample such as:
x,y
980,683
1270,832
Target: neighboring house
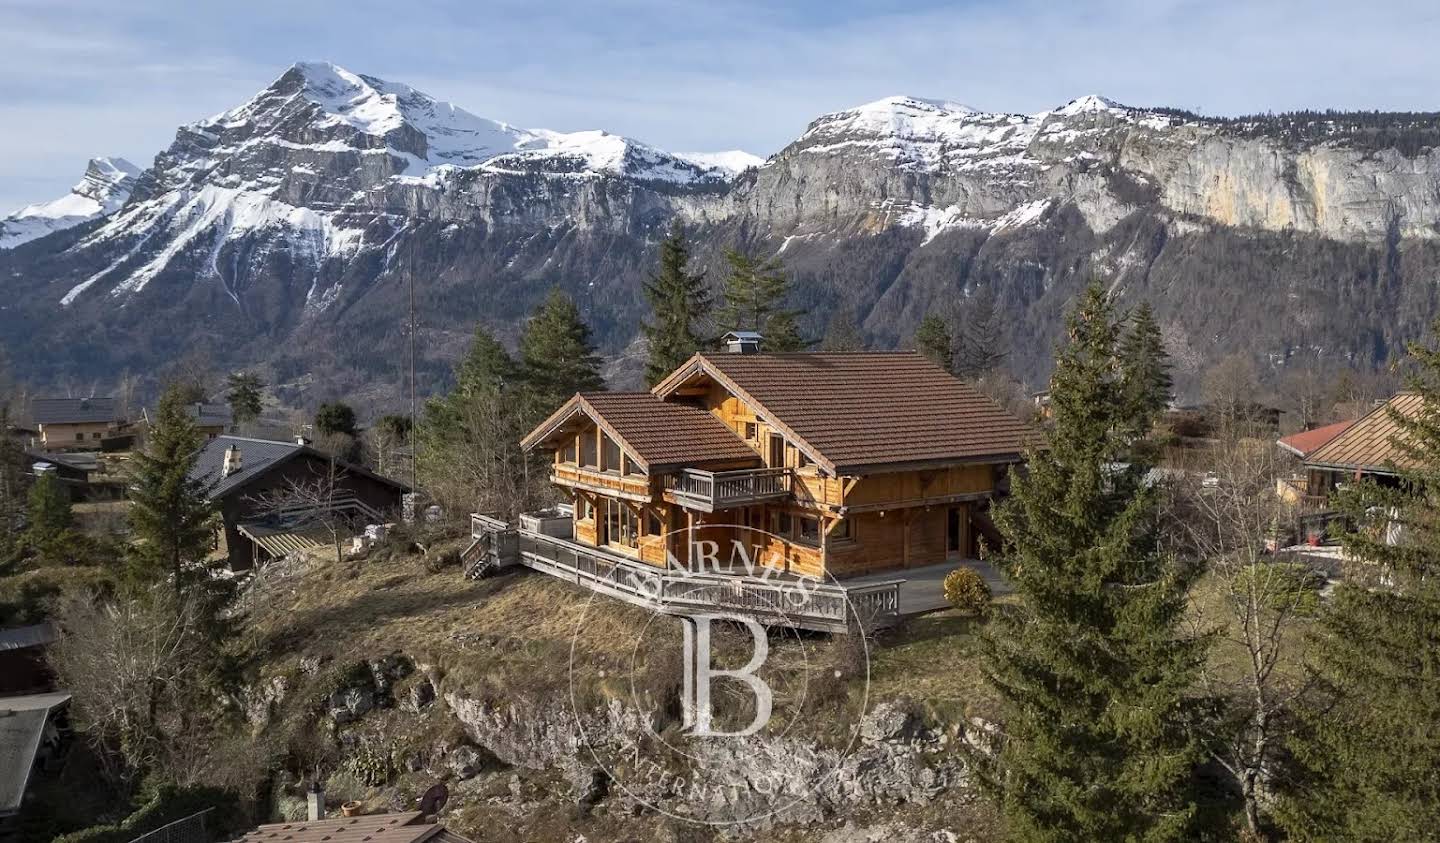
x,y
850,463
66,424
1296,489
33,731
1363,449
409,827
23,668
243,475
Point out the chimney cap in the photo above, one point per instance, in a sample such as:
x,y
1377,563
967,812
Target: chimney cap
x,y
742,342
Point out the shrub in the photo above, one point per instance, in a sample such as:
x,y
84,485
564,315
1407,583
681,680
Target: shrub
x,y
967,591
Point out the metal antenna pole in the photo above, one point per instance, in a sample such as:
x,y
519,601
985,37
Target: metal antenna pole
x,y
414,442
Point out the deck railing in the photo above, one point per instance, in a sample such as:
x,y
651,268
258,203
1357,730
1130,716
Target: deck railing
x,y
715,490
782,599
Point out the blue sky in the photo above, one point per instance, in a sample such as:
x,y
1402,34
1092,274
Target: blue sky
x,y
85,77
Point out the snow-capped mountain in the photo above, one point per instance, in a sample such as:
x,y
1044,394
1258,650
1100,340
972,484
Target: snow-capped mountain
x,y
282,232
103,189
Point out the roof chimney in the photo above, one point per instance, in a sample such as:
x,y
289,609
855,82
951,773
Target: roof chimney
x,y
232,462
315,802
742,342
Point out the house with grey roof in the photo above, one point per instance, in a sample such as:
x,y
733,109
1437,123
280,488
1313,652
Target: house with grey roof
x,y
32,731
65,424
249,480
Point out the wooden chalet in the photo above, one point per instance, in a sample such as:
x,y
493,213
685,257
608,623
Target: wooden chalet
x,y
1362,448
822,465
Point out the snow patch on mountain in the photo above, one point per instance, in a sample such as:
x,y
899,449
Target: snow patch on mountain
x,y
935,221
929,135
216,216
104,188
731,161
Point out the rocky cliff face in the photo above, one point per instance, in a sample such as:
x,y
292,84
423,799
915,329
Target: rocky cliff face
x,y
103,189
284,231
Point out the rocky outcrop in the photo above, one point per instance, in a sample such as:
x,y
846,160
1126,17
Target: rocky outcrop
x,y
754,783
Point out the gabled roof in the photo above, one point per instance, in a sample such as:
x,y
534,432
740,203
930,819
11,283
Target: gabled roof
x,y
1366,444
408,827
74,410
865,411
257,457
1307,441
211,415
657,434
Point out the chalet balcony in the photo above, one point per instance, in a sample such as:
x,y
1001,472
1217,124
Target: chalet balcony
x,y
711,491
634,487
777,598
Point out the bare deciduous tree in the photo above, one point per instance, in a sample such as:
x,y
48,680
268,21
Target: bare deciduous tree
x,y
1258,605
135,667
322,502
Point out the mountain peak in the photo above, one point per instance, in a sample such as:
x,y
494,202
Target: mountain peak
x,y
103,189
1090,103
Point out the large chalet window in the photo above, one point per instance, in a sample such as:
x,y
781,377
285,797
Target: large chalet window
x,y
567,453
632,468
809,529
610,457
780,523
622,525
587,449
841,530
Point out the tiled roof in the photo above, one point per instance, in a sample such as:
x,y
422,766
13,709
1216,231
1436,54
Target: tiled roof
x,y
1306,441
867,410
378,828
658,434
73,410
1366,444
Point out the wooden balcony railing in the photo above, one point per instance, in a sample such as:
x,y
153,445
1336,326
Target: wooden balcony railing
x,y
710,491
782,599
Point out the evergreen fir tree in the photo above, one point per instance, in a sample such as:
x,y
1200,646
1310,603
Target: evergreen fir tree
x,y
469,440
335,418
556,357
981,350
48,514
933,339
244,396
1091,665
843,333
169,517
1368,753
679,302
755,294
1145,369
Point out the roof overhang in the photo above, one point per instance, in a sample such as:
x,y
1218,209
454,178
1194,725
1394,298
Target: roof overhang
x,y
578,407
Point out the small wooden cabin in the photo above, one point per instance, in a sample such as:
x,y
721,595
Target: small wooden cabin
x,y
838,464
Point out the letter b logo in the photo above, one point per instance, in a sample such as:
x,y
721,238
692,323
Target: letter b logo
x,y
699,715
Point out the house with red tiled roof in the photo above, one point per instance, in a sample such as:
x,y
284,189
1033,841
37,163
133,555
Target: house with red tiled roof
x,y
1365,448
815,465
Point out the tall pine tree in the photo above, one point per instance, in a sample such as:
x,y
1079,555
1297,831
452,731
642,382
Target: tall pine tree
x,y
1145,367
934,340
245,396
170,519
981,350
1369,748
1091,665
755,294
556,357
679,302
